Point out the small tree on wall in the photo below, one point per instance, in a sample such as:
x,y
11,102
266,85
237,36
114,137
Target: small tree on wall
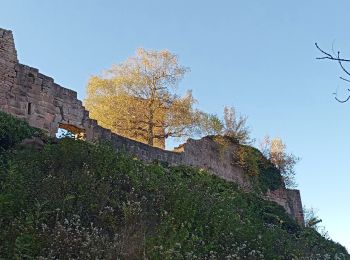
x,y
235,125
275,150
232,125
312,220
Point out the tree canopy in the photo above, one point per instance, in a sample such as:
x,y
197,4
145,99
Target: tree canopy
x,y
137,98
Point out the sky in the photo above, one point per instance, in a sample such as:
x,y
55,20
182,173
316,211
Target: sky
x,y
258,56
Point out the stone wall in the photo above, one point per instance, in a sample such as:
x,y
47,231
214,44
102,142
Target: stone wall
x,y
295,204
8,61
210,155
290,200
28,94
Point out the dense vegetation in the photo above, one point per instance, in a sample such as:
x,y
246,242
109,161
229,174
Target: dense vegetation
x,y
76,200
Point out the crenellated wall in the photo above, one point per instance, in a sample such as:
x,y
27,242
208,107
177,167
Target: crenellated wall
x,y
28,94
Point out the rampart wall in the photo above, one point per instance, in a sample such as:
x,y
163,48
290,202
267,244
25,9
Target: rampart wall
x,y
28,94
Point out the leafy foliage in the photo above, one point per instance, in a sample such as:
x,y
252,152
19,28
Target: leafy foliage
x,y
236,126
275,150
13,131
232,125
210,124
142,90
79,200
262,173
312,220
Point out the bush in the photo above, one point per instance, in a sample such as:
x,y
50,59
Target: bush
x,y
78,200
12,131
261,172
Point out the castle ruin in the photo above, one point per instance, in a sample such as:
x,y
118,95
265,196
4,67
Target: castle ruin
x,y
30,95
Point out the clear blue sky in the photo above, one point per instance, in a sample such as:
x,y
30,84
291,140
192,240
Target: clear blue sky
x,y
258,56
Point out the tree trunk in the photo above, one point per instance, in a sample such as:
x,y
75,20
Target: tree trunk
x,y
150,134
150,125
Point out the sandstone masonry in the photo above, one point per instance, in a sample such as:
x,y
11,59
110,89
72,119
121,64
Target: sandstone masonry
x,y
30,95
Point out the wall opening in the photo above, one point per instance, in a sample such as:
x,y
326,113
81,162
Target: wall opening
x,y
67,130
63,133
29,108
31,77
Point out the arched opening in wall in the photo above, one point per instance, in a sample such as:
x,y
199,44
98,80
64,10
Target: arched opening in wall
x,y
67,130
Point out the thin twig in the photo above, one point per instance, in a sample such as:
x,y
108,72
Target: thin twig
x,y
339,60
343,101
329,56
339,100
344,79
341,64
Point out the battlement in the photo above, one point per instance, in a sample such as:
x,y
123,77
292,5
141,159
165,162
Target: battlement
x,y
30,95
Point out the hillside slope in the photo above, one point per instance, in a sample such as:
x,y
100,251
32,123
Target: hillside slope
x,y
76,200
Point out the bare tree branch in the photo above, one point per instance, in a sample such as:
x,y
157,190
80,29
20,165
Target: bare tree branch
x,y
345,100
340,61
329,56
344,79
341,64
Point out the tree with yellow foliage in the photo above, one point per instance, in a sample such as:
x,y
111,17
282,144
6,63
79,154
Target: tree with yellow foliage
x,y
275,150
137,98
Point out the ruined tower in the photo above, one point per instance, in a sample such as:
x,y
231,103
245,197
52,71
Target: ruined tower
x,y
28,94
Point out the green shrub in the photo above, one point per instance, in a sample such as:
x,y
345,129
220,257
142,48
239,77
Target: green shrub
x,y
260,171
79,200
13,130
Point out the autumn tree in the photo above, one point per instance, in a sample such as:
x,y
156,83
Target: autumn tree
x,y
235,126
232,125
275,150
137,98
